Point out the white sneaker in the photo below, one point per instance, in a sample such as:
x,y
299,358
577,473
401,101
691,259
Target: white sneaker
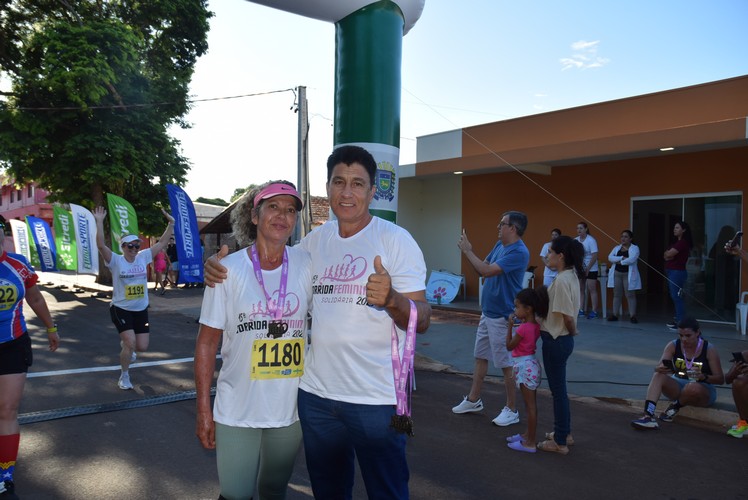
x,y
467,406
124,381
506,417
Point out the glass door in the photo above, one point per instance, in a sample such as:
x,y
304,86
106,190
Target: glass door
x,y
713,283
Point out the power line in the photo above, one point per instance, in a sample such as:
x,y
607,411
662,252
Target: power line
x,y
147,105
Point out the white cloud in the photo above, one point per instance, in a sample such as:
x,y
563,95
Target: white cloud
x,y
584,45
584,57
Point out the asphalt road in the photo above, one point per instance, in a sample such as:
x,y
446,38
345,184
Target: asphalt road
x,y
85,438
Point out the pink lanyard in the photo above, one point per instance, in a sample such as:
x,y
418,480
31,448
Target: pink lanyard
x,y
277,309
403,369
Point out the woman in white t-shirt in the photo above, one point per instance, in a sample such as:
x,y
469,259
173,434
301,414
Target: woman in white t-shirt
x,y
259,316
588,280
129,307
548,273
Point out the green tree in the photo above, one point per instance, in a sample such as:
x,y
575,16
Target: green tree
x,y
213,201
238,192
94,87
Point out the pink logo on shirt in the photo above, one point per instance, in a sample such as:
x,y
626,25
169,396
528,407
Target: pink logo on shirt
x,y
264,309
351,269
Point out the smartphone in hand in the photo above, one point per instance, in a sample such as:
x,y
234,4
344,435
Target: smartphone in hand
x,y
737,357
668,363
735,241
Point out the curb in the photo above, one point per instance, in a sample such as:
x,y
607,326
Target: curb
x,y
709,418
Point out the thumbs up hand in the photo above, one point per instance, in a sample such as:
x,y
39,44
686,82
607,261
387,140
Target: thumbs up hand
x,y
379,285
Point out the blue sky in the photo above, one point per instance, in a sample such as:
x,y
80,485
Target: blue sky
x,y
464,63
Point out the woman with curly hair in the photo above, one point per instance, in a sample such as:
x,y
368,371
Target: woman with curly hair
x,y
259,315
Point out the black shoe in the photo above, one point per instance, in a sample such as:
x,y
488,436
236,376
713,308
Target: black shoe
x,y
8,491
672,325
634,320
612,318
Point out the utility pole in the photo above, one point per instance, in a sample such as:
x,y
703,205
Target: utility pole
x,y
305,221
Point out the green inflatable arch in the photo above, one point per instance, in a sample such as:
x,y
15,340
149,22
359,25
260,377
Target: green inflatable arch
x,y
368,55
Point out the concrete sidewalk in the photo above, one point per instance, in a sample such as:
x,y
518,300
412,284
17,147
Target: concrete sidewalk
x,y
612,361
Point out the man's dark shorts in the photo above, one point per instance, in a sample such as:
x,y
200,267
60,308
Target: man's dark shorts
x,y
592,275
129,320
16,356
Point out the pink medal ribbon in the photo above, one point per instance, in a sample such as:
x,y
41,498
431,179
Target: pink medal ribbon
x,y
277,309
403,372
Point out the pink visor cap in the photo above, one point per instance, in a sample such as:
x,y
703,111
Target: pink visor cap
x,y
277,189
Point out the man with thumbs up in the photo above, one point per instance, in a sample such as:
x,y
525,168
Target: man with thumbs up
x,y
364,270
365,273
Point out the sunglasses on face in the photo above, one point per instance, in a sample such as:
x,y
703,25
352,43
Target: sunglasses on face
x,y
133,245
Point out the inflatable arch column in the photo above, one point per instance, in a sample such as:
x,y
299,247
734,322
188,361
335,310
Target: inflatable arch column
x,y
368,54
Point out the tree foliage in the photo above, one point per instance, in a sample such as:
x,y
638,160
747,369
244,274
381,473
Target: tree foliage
x,y
213,201
238,192
95,85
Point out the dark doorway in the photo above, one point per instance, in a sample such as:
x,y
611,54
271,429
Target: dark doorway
x,y
713,286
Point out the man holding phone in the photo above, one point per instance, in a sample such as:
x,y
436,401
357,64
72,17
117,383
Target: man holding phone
x,y
738,377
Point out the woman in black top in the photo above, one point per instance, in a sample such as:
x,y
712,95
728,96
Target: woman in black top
x,y
686,375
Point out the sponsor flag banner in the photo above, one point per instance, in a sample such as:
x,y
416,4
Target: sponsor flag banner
x,y
44,242
186,235
34,260
85,240
67,256
122,220
21,238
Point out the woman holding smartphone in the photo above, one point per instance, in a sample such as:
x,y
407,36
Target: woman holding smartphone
x,y
686,374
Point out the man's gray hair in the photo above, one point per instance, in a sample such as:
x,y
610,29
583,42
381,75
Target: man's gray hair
x,y
518,220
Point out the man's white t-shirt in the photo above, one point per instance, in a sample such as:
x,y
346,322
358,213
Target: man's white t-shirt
x,y
238,306
130,280
350,356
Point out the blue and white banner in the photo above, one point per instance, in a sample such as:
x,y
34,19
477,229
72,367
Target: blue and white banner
x,y
21,238
85,237
45,243
186,235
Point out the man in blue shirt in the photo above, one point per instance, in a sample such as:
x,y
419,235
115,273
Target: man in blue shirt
x,y
504,272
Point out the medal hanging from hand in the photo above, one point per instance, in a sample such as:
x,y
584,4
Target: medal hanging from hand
x,y
403,372
277,311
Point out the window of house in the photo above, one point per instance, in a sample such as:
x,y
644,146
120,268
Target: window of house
x,y
30,191
11,196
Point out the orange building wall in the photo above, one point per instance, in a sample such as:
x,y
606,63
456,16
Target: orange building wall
x,y
599,193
